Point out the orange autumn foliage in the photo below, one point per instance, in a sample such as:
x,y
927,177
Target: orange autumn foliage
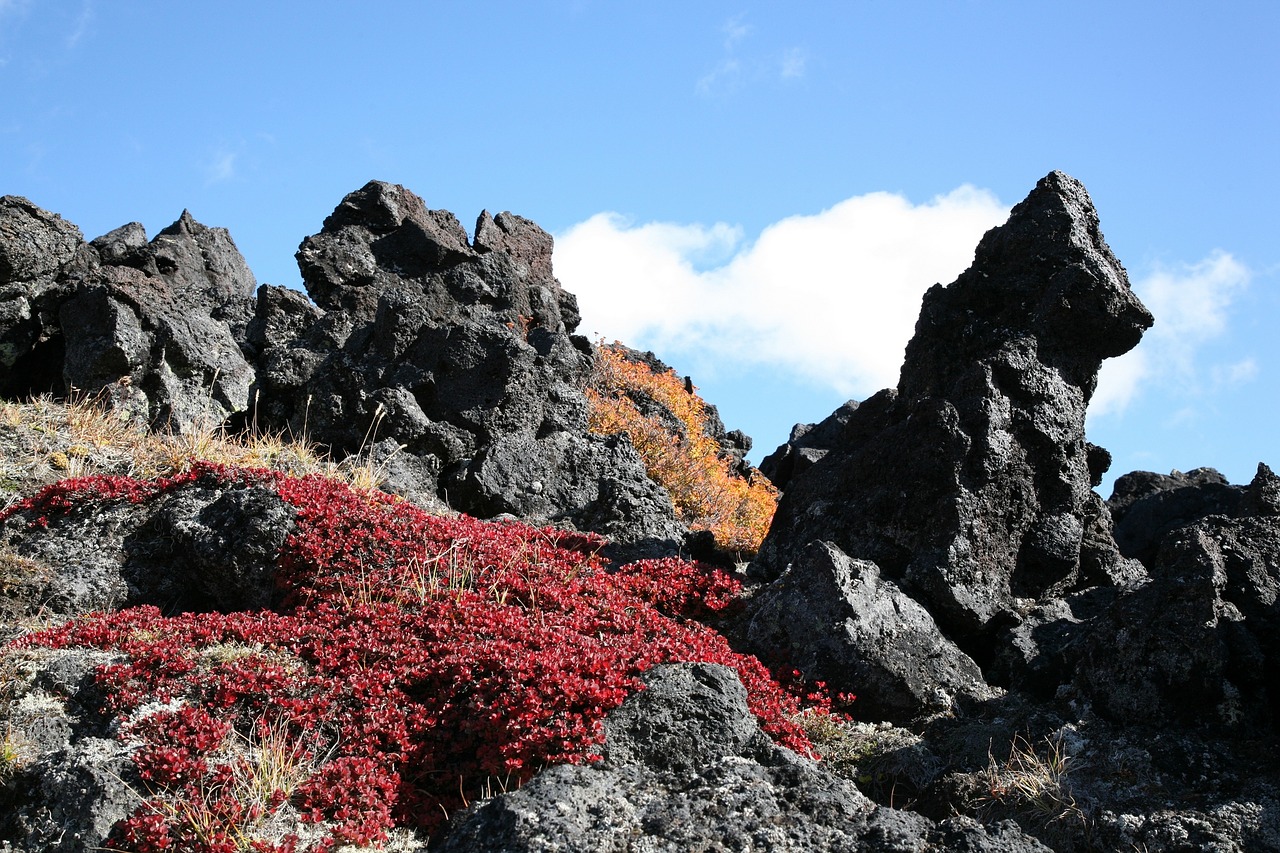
x,y
707,493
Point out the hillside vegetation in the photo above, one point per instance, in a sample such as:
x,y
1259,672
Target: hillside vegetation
x,y
667,424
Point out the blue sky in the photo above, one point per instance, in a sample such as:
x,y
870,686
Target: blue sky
x,y
781,181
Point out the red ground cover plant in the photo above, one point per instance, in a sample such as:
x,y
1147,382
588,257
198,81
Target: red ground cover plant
x,y
417,662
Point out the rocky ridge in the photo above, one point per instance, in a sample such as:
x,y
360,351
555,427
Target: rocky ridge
x,y
1060,670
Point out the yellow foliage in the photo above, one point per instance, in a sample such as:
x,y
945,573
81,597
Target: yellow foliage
x,y
706,492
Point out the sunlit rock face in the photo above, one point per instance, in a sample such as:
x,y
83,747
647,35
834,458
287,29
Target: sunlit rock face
x,y
970,484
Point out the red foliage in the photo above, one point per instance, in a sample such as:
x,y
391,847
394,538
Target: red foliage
x,y
422,656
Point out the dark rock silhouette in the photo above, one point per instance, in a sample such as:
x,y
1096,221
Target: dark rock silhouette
x,y
154,325
807,444
970,484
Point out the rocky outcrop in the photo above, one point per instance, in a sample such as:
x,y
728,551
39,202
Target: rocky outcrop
x,y
34,246
451,363
199,547
1097,675
807,445
459,353
687,768
970,484
1145,507
154,326
1200,643
839,622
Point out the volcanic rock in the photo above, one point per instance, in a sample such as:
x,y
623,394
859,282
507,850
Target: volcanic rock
x,y
34,246
154,326
1146,506
686,767
1200,643
462,354
807,444
969,485
195,547
839,622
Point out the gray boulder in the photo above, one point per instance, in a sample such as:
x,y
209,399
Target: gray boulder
x,y
687,768
969,485
200,546
838,621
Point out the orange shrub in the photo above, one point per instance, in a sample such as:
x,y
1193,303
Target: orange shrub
x,y
707,494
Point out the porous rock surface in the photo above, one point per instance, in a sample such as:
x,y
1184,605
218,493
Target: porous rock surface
x,y
1096,675
687,768
448,362
155,325
970,483
1085,642
839,621
459,353
197,547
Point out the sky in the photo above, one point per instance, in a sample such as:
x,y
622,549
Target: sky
x,y
759,192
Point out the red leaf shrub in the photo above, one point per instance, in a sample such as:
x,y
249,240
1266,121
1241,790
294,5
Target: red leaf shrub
x,y
417,656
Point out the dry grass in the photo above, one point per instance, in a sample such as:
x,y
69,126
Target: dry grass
x,y
887,763
46,440
1033,785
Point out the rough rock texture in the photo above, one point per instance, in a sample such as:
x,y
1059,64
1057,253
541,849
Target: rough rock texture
x,y
449,362
1200,643
196,548
459,352
154,325
34,246
970,484
807,444
936,539
686,768
1146,506
838,621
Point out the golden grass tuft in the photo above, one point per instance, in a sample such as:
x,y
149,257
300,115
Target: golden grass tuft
x,y
707,494
46,440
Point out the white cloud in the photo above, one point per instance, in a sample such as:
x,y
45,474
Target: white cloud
x,y
735,30
1191,304
721,79
83,22
794,64
221,167
832,297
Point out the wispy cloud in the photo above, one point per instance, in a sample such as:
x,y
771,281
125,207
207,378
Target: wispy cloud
x,y
735,30
794,64
832,297
721,79
1192,305
737,64
221,166
81,26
